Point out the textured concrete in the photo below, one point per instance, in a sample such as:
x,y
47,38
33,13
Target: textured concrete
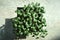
x,y
52,15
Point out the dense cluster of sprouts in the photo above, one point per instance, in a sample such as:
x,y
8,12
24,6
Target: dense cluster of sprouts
x,y
30,20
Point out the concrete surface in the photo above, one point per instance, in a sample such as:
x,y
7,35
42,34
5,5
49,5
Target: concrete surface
x,y
52,15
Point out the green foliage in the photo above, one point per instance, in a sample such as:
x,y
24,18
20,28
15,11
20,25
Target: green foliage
x,y
30,20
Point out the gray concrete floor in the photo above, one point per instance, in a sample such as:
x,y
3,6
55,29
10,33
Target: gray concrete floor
x,y
52,15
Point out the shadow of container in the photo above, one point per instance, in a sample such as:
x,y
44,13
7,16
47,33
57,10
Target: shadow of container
x,y
2,32
8,30
9,34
